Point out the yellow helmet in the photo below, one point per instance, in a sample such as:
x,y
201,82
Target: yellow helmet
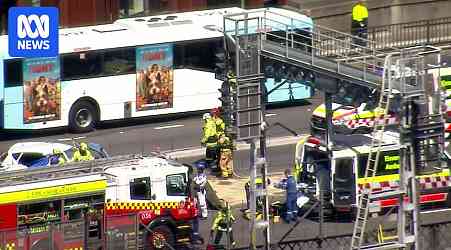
x,y
56,151
83,146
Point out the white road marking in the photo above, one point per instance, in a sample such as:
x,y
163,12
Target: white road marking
x,y
70,139
435,211
270,114
169,126
121,132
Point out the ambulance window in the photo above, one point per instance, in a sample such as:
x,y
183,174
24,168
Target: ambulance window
x,y
140,189
176,185
344,168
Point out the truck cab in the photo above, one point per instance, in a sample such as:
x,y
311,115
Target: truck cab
x,y
150,179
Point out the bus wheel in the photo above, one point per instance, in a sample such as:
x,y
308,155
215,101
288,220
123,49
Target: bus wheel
x,y
161,237
82,117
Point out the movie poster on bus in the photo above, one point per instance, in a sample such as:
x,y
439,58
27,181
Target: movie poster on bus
x,y
154,77
41,90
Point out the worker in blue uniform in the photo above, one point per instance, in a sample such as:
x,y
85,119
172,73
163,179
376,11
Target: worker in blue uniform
x,y
292,195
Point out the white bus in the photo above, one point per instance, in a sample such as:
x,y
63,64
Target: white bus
x,y
135,67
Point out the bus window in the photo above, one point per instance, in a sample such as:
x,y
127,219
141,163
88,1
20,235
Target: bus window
x,y
388,163
198,55
13,72
81,65
120,61
140,189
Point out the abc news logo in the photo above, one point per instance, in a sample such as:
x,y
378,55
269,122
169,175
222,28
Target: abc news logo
x,y
33,31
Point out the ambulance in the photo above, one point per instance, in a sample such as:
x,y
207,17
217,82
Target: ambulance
x,y
124,202
348,119
342,175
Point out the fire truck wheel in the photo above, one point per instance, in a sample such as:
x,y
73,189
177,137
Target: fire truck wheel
x,y
160,237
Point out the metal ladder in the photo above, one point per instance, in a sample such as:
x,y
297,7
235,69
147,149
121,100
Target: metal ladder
x,y
373,157
69,170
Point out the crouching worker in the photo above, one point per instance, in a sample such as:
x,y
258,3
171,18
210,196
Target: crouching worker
x,y
58,158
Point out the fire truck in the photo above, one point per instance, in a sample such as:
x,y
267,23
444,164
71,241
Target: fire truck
x,y
341,175
124,202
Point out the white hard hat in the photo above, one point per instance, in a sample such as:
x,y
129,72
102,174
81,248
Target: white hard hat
x,y
206,116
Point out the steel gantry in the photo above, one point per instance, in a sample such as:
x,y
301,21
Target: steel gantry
x,y
336,59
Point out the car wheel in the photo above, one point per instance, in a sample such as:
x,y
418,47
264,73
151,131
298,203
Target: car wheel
x,y
82,117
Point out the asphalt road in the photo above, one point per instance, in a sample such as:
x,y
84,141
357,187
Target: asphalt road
x,y
167,135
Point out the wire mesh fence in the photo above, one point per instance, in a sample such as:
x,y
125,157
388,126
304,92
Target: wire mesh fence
x,y
432,237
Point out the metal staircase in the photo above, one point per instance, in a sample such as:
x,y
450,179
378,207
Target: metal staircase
x,y
328,53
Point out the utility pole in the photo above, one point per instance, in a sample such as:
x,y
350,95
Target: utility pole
x,y
264,171
252,194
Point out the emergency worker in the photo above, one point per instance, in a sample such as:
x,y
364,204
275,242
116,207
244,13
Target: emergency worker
x,y
292,195
223,224
359,24
200,181
82,153
57,158
209,139
225,156
220,125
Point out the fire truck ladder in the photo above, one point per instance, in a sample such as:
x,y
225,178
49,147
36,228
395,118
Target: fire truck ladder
x,y
69,170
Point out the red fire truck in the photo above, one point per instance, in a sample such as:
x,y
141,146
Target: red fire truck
x,y
126,202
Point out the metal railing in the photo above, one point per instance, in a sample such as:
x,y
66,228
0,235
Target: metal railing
x,y
400,35
432,32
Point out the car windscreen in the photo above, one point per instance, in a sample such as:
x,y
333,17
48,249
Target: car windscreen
x,y
29,159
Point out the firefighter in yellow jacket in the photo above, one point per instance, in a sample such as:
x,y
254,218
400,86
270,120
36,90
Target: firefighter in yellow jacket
x,y
223,224
82,153
226,156
210,139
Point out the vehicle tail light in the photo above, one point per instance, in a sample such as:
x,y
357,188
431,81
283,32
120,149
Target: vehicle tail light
x,y
314,140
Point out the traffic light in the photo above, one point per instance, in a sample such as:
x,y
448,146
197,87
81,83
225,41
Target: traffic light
x,y
220,65
228,103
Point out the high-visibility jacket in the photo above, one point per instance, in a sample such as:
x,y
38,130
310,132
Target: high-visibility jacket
x,y
298,166
225,142
57,159
82,155
220,125
359,12
221,219
210,136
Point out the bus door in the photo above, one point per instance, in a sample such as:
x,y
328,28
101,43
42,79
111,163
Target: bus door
x,y
344,180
